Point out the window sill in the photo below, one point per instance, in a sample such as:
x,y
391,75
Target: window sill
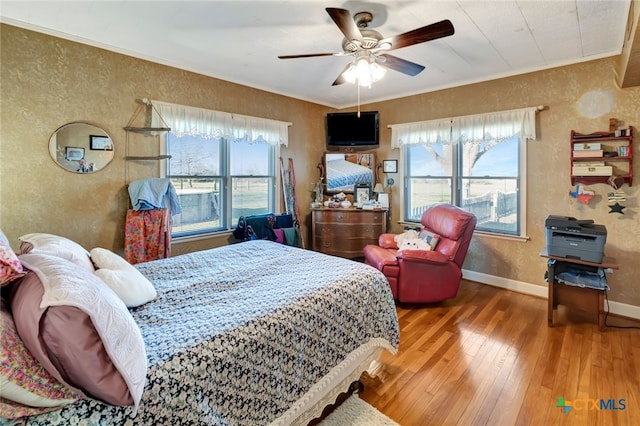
x,y
519,238
199,237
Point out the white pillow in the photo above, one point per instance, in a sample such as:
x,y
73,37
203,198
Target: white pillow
x,y
126,281
54,245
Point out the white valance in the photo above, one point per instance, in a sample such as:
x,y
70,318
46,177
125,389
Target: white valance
x,y
206,123
476,128
421,133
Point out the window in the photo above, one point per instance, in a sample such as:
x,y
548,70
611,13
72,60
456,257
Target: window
x,y
222,166
485,181
212,174
475,162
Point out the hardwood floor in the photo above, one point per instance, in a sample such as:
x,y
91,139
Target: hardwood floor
x,y
488,358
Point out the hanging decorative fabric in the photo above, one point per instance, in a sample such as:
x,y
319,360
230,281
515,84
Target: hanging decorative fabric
x,y
207,123
147,235
470,128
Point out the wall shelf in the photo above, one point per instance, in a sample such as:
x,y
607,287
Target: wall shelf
x,y
146,105
133,133
600,167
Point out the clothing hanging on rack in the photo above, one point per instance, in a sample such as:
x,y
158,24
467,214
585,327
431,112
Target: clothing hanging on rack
x,y
154,193
147,235
148,224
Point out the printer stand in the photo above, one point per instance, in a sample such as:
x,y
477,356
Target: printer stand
x,y
581,298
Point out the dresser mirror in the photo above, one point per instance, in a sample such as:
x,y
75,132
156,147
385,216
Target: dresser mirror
x,y
342,170
81,147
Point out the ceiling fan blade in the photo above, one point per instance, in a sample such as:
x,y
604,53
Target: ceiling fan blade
x,y
306,55
420,35
345,22
401,65
341,79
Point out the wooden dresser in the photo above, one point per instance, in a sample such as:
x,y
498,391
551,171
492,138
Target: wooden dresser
x,y
345,232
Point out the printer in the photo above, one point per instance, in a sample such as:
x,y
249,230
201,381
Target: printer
x,y
575,239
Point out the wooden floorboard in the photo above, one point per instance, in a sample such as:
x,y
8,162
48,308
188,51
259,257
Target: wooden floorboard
x,y
488,357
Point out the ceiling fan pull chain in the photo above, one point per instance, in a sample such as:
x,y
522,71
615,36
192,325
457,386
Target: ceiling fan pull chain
x,y
358,85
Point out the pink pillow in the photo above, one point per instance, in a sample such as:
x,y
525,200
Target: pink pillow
x,y
63,337
27,388
10,266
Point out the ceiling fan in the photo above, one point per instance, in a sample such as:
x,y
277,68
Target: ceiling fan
x,y
369,45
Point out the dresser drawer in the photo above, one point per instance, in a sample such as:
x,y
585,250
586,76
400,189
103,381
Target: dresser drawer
x,y
345,232
377,217
341,247
349,230
349,216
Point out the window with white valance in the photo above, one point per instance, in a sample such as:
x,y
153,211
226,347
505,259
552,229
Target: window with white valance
x,y
222,165
477,162
205,123
495,125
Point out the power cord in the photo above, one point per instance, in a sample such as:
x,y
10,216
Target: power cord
x,y
606,315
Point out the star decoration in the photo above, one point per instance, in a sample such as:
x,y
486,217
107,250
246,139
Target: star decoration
x,y
616,208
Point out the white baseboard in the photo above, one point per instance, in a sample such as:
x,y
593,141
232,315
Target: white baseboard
x,y
623,309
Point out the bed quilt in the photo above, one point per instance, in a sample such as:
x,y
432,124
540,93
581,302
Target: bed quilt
x,y
237,334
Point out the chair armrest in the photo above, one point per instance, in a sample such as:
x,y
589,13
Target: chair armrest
x,y
423,256
387,241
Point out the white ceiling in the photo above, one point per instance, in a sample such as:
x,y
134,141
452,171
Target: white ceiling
x,y
239,41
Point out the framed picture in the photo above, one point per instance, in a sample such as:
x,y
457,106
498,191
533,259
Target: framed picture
x,y
73,153
361,192
100,143
383,199
390,166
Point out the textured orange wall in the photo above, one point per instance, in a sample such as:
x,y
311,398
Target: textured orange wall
x,y
47,82
580,97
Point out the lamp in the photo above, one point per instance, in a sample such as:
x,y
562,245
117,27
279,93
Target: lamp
x,y
364,70
378,188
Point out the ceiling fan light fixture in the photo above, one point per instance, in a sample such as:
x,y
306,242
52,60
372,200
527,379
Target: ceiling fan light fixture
x,y
364,72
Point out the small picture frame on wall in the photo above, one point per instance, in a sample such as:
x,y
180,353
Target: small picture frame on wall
x,y
390,166
72,153
100,143
361,192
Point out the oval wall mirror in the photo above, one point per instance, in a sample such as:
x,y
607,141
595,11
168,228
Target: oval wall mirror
x,y
81,147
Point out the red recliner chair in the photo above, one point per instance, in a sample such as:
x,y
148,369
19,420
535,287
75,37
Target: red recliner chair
x,y
422,276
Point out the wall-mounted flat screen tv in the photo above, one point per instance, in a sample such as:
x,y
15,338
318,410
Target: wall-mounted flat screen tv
x,y
346,129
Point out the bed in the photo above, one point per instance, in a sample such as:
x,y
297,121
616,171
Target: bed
x,y
248,334
342,174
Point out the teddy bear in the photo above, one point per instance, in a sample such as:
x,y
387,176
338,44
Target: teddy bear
x,y
410,234
414,244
